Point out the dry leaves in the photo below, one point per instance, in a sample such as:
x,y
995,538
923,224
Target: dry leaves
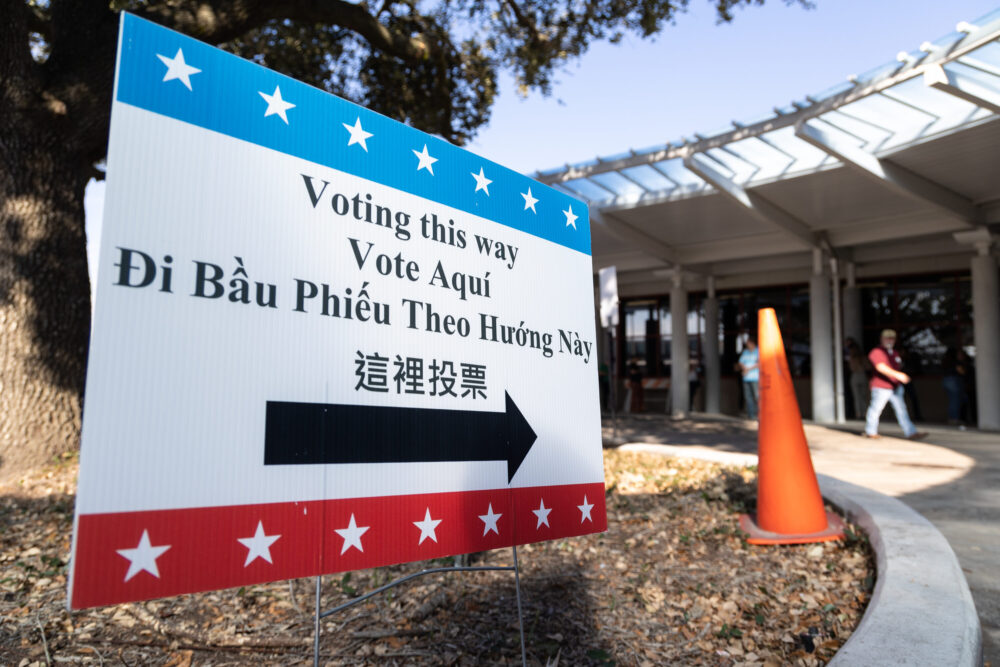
x,y
671,582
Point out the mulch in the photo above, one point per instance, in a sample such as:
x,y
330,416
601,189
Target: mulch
x,y
671,582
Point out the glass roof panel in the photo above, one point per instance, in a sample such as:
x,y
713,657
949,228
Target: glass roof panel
x,y
770,161
743,122
978,75
986,57
806,156
872,135
882,111
617,183
834,90
946,42
917,105
831,124
616,156
914,57
884,69
677,172
585,163
945,106
651,179
714,133
761,153
651,149
880,121
987,18
740,170
587,190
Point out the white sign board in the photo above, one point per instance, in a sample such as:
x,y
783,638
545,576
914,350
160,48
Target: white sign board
x,y
322,340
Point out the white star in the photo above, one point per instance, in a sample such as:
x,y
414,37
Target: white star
x,y
570,217
358,135
490,521
143,557
529,201
585,511
426,161
276,105
482,183
352,536
178,69
427,527
543,514
259,546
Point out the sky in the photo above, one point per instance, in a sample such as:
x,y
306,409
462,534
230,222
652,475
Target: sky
x,y
698,76
694,76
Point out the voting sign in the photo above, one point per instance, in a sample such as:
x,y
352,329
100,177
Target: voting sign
x,y
322,340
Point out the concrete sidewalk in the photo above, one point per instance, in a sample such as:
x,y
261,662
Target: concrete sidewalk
x,y
952,478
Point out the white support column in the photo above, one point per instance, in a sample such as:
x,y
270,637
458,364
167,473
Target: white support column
x,y
679,389
710,348
838,342
986,323
853,325
820,343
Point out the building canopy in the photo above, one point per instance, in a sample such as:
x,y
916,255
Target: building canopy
x,y
895,170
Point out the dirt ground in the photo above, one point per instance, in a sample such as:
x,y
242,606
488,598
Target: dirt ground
x,y
671,582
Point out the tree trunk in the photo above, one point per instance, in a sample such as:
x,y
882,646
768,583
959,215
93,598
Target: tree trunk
x,y
54,127
44,297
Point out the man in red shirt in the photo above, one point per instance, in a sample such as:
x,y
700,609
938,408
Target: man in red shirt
x,y
887,387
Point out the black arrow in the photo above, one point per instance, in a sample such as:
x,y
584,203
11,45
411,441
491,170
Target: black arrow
x,y
309,433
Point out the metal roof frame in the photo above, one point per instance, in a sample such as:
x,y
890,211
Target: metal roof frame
x,y
931,63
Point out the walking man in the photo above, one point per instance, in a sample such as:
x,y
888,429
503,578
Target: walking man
x,y
887,387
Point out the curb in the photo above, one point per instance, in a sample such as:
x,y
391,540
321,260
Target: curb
x,y
921,611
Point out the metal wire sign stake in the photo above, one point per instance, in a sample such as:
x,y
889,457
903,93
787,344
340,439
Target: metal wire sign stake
x,y
320,615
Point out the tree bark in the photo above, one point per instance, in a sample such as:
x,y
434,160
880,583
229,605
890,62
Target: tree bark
x,y
54,128
44,300
44,285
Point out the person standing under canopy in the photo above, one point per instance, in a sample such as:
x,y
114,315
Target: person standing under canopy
x,y
749,364
858,367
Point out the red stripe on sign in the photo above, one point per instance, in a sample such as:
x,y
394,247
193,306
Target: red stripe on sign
x,y
128,556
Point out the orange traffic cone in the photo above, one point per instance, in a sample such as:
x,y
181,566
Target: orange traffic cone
x,y
789,504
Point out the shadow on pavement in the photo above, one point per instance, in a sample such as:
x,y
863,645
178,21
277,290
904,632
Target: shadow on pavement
x,y
724,434
967,512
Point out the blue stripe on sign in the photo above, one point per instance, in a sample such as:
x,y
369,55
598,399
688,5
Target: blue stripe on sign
x,y
226,95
